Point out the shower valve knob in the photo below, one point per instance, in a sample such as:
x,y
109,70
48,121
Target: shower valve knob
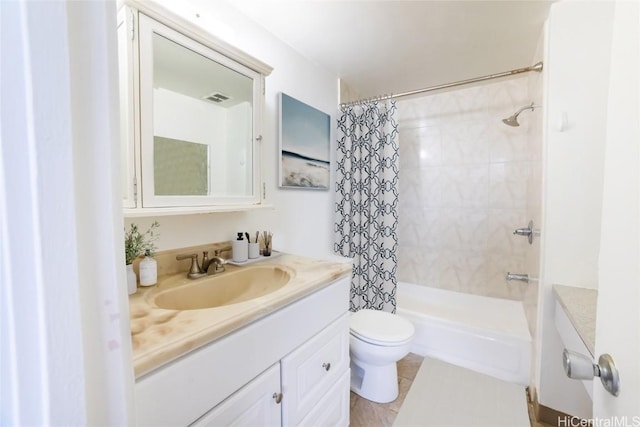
x,y
526,232
522,231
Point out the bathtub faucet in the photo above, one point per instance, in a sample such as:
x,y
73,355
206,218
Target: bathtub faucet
x,y
520,277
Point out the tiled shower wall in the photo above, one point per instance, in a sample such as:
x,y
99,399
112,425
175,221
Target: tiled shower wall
x,y
465,185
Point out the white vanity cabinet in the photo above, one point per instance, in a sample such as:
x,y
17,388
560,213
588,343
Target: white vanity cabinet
x,y
299,353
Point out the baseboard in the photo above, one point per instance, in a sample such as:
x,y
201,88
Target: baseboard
x,y
550,416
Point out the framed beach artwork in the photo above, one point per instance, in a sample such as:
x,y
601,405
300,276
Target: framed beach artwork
x,y
304,145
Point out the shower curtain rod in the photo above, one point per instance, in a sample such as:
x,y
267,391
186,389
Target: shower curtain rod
x,y
536,67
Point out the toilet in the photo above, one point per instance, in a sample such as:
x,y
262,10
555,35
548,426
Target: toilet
x,y
377,340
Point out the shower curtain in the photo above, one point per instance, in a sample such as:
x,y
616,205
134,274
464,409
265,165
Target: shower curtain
x,y
366,227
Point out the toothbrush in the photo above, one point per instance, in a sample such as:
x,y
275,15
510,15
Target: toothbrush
x,y
248,238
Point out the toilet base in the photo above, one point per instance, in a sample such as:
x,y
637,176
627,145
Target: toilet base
x,y
375,383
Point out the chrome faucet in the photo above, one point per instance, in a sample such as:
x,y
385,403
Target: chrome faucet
x,y
519,277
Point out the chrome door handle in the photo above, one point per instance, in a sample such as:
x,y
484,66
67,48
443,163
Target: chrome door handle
x,y
581,367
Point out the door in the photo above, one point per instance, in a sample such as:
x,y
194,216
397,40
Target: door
x,y
618,321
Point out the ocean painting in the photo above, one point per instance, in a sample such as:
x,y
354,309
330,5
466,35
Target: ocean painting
x,y
304,145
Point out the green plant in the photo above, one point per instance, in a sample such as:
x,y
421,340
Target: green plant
x,y
136,243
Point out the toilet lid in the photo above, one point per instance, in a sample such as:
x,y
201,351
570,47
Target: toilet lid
x,y
380,327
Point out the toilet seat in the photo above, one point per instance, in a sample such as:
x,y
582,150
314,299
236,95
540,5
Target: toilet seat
x,y
381,328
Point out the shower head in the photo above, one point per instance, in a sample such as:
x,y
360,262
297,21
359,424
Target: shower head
x,y
513,120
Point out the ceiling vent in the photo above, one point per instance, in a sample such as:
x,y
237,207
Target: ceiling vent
x,y
217,97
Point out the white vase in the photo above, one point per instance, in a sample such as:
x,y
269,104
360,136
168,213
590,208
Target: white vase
x,y
131,279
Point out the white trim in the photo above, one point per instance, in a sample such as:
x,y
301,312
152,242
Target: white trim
x,y
128,70
192,210
170,19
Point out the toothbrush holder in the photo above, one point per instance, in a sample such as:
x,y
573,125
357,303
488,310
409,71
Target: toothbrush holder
x,y
254,250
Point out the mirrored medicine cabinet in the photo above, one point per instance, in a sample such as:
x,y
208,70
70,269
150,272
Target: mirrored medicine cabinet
x,y
190,109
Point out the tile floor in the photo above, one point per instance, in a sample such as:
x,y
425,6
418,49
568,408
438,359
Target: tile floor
x,y
369,414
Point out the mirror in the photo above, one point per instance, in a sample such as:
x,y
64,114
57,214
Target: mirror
x,y
198,115
202,130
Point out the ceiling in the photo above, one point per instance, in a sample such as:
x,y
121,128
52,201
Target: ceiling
x,y
383,47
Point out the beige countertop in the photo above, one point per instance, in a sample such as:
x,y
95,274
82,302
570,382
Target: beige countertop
x,y
160,335
580,306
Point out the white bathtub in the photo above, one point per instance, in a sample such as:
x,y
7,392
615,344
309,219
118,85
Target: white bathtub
x,y
487,335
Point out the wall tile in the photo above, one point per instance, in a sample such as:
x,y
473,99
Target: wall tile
x,y
462,271
501,224
466,144
507,144
508,185
421,188
466,182
464,186
420,147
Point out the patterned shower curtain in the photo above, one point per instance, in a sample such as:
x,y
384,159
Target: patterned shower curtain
x,y
366,226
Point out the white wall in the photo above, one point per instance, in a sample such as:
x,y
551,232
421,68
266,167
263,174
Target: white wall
x,y
578,72
577,67
302,220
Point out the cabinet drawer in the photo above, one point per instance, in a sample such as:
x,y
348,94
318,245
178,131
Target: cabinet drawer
x,y
333,409
311,370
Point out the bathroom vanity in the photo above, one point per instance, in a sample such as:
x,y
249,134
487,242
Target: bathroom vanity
x,y
276,359
575,321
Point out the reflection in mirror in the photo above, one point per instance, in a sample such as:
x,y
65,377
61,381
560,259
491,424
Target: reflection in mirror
x,y
202,124
180,167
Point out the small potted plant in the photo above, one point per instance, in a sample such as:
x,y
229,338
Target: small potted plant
x,y
136,244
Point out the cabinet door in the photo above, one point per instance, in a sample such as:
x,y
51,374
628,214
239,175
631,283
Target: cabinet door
x,y
333,409
199,122
309,372
252,405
